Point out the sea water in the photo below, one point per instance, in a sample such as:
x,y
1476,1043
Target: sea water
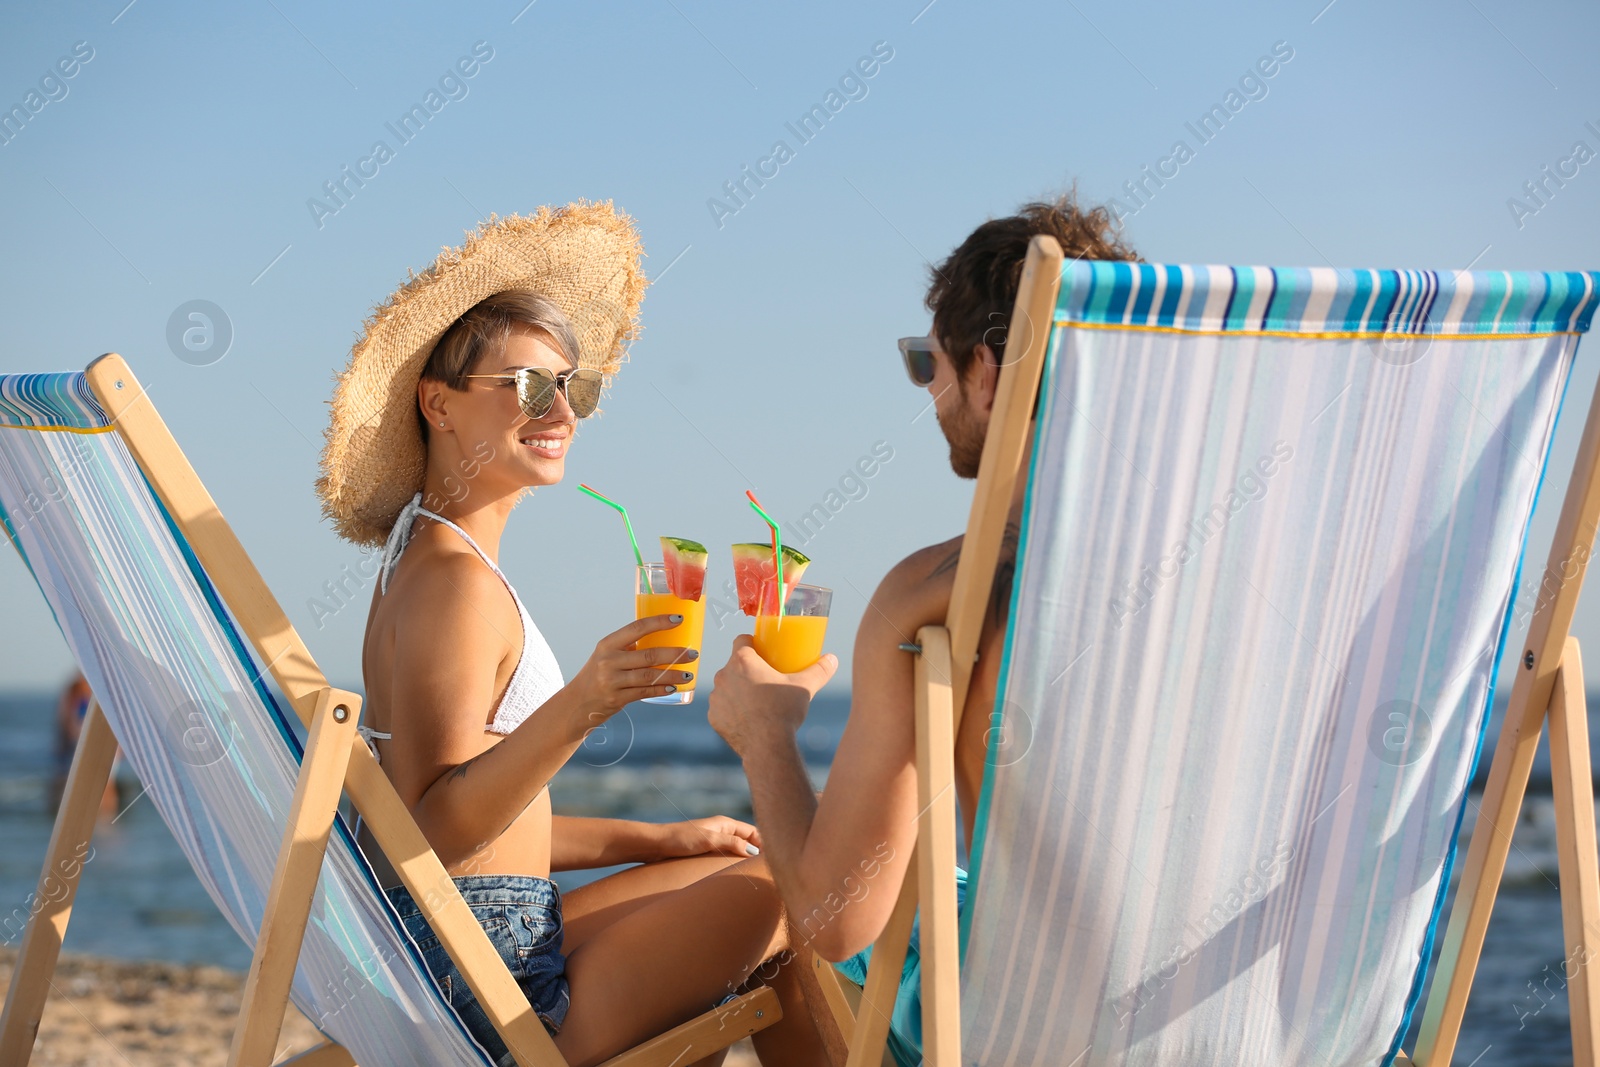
x,y
138,898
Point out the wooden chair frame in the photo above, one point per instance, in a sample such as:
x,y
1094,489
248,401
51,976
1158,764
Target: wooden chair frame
x,y
333,766
1548,687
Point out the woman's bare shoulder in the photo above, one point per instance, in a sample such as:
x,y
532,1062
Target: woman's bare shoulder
x,y
442,592
436,646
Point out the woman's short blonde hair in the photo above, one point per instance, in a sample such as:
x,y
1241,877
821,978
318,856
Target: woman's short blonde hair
x,y
484,329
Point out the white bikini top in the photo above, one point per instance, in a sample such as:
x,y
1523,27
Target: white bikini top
x,y
538,675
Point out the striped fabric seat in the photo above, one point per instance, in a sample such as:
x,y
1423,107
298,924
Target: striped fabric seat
x,y
186,698
1273,529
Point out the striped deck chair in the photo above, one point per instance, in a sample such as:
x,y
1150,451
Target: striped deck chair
x,y
178,636
1273,527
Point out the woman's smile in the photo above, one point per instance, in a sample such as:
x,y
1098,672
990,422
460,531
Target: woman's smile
x,y
547,444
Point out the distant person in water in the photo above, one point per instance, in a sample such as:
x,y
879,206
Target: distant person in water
x,y
71,709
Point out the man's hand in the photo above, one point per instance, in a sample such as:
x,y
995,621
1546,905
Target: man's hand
x,y
750,700
716,836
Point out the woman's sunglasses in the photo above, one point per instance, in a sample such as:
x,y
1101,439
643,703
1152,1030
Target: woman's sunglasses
x,y
536,389
918,354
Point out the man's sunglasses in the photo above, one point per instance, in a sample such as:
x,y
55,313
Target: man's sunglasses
x,y
918,354
536,389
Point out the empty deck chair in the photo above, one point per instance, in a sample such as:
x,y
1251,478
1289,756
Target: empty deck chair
x,y
178,637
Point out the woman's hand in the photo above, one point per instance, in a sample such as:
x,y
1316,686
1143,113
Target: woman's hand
x,y
618,673
751,700
716,836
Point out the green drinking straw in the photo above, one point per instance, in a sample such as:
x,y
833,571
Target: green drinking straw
x,y
625,521
777,548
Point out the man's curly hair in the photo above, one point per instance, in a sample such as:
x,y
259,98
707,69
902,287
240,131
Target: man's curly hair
x,y
972,292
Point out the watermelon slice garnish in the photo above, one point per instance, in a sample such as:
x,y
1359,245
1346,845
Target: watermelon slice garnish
x,y
753,571
686,567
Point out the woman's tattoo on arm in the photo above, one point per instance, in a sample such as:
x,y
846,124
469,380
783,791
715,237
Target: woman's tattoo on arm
x,y
461,771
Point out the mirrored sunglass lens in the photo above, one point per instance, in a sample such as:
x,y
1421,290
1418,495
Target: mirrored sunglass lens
x,y
537,392
583,392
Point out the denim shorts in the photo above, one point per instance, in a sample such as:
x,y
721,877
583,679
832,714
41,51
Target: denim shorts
x,y
522,916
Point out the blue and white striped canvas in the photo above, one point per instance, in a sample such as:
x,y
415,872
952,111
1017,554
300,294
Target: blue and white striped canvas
x,y
186,698
1273,528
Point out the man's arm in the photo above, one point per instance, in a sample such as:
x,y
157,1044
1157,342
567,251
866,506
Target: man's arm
x,y
838,861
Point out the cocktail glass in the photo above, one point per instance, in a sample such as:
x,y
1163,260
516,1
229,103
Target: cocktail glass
x,y
652,597
793,641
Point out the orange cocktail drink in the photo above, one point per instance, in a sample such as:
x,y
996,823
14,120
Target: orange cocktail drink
x,y
793,641
652,598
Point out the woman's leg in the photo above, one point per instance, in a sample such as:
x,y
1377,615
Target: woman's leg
x,y
786,1044
663,943
595,906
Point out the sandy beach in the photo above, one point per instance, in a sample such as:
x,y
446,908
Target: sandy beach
x,y
148,1014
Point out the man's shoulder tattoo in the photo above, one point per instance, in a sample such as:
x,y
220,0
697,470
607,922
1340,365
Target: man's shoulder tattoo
x,y
1004,573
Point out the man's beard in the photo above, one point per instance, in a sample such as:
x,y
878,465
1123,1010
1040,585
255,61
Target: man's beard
x,y
965,436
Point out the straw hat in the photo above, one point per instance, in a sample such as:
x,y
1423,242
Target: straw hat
x,y
584,256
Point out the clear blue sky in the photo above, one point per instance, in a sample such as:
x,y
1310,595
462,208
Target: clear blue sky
x,y
178,164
